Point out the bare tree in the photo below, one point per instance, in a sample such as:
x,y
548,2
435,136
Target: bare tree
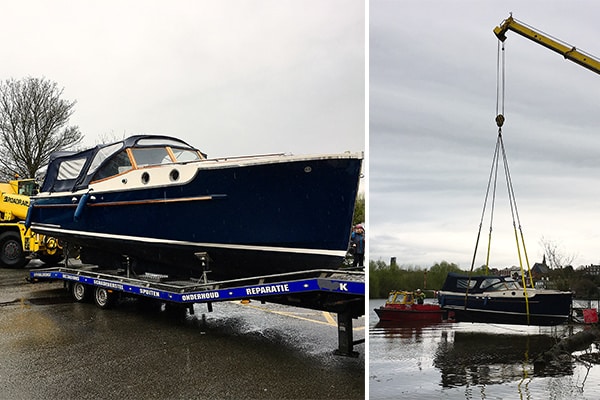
x,y
555,258
33,125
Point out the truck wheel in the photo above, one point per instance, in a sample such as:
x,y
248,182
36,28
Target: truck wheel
x,y
103,298
11,251
79,291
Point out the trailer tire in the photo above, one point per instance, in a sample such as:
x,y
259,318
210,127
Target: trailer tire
x,y
103,297
11,251
79,291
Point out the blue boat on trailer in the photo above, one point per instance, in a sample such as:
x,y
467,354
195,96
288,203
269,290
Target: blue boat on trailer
x,y
159,201
502,300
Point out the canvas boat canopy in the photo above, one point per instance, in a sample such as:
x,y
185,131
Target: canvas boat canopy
x,y
72,171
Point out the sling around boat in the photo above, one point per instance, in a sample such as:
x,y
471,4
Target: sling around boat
x,y
501,299
160,202
401,306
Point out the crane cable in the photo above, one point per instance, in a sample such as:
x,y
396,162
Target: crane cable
x,y
500,94
492,184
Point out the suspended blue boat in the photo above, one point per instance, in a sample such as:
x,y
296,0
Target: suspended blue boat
x,y
502,300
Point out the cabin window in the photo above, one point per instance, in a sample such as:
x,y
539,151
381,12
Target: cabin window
x,y
490,282
116,165
182,155
70,169
504,285
103,154
151,156
464,283
498,286
513,285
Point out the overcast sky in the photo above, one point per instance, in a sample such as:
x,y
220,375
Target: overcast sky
x,y
432,132
230,77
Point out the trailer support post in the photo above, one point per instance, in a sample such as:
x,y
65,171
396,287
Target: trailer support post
x,y
345,341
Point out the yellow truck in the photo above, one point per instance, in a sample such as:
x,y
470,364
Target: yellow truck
x,y
18,244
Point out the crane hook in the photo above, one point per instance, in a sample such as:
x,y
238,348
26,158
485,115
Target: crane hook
x,y
499,120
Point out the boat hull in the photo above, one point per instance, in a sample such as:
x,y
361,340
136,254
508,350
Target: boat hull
x,y
251,218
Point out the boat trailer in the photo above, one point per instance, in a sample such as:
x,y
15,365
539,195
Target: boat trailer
x,y
338,291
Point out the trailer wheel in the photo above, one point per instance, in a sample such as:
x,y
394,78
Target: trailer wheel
x,y
11,251
79,291
103,298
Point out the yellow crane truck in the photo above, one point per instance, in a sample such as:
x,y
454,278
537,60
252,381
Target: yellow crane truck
x,y
18,244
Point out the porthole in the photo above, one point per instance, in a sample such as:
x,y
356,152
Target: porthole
x,y
174,175
307,169
145,178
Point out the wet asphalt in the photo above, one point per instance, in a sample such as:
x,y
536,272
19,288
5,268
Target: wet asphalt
x,y
54,348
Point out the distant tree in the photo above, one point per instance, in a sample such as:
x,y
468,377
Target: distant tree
x,y
383,277
106,138
438,272
555,257
585,288
33,125
359,209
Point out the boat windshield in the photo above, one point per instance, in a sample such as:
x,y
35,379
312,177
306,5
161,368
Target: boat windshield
x,y
116,165
109,169
151,156
504,285
162,155
487,283
183,155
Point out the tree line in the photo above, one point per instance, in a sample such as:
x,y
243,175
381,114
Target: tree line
x,y
384,278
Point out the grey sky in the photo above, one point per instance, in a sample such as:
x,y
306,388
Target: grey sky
x,y
230,77
432,131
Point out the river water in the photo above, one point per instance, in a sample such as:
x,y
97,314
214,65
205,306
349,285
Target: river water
x,y
474,361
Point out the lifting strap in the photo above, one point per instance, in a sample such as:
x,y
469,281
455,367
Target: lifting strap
x,y
490,195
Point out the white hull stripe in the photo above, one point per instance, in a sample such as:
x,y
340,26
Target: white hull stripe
x,y
335,253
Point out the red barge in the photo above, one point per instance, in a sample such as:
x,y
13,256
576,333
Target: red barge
x,y
402,306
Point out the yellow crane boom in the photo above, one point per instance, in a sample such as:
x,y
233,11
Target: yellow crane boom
x,y
567,51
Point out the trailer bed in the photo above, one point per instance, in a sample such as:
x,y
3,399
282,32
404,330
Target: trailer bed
x,y
337,291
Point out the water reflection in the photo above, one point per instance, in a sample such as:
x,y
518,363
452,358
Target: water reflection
x,y
470,361
412,330
475,358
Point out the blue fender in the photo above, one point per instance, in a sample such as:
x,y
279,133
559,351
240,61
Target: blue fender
x,y
79,210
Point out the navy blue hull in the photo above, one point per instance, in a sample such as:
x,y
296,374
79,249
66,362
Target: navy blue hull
x,y
544,309
252,219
